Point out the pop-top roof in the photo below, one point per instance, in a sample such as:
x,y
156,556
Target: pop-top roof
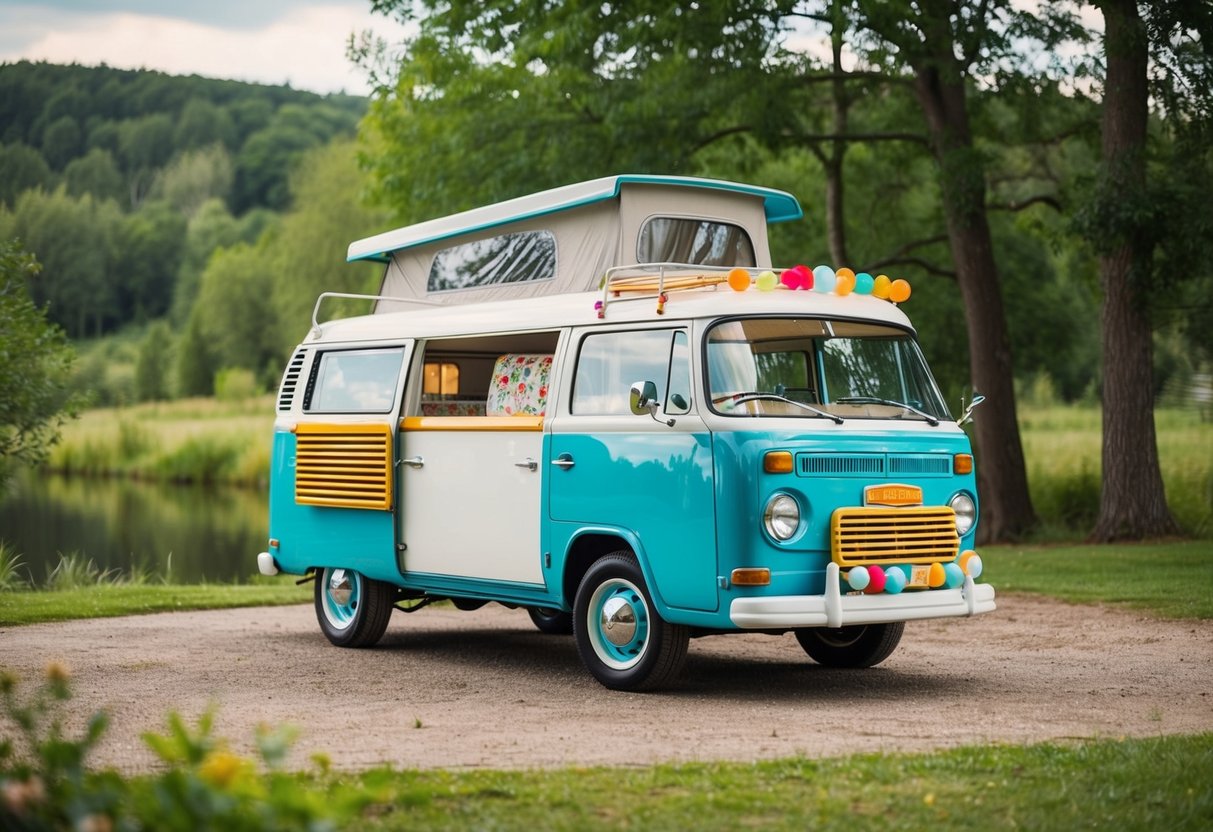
x,y
779,206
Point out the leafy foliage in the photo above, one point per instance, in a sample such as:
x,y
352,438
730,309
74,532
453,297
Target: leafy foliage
x,y
46,784
35,360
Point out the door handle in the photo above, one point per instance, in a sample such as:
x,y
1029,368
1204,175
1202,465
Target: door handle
x,y
530,464
413,462
564,461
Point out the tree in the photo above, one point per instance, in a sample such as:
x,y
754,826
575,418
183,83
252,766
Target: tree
x,y
195,366
61,141
233,309
146,260
195,177
646,86
35,363
95,173
1127,223
74,240
152,375
22,168
307,248
943,43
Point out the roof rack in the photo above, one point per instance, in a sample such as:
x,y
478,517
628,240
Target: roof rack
x,y
355,296
656,280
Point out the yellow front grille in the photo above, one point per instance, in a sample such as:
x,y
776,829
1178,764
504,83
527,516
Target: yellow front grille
x,y
893,535
344,465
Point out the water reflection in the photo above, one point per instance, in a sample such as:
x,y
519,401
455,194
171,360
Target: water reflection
x,y
211,534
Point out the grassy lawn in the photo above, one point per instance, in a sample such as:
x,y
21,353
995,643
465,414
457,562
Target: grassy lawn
x,y
1161,783
105,600
1173,580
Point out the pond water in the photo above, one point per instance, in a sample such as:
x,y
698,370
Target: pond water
x,y
189,534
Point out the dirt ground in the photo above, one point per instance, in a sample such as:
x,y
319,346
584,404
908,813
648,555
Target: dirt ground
x,y
485,689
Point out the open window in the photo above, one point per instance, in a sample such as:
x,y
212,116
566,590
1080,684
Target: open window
x,y
500,375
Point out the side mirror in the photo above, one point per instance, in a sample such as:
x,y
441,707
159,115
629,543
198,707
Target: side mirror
x,y
643,398
967,416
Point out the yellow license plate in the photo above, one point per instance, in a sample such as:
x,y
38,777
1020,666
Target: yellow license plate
x,y
920,576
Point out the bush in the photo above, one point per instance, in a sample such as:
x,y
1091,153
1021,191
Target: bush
x,y
45,784
235,384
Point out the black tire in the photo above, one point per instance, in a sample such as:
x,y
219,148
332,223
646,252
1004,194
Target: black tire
x,y
621,639
861,645
550,621
353,611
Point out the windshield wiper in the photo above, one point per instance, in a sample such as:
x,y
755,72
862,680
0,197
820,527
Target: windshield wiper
x,y
931,420
738,398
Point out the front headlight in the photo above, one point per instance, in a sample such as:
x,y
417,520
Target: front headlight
x,y
781,516
966,512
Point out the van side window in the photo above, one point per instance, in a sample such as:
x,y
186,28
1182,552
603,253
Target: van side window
x,y
492,375
680,240
611,362
518,257
355,381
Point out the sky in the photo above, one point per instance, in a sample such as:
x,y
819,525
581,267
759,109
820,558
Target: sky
x,y
300,42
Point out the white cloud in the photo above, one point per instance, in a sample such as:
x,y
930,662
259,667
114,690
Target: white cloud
x,y
305,48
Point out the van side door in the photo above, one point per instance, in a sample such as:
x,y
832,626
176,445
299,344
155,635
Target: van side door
x,y
649,475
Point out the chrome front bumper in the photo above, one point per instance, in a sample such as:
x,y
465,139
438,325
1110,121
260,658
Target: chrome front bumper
x,y
837,610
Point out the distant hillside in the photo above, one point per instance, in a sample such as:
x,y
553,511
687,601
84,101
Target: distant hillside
x,y
108,131
123,183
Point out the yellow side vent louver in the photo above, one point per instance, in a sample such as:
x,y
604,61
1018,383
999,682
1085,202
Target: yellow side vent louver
x,y
893,535
344,465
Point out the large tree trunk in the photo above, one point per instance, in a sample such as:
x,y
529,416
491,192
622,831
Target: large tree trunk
x,y
1132,503
835,216
1006,507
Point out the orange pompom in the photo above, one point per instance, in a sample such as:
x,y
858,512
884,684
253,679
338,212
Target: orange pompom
x,y
739,280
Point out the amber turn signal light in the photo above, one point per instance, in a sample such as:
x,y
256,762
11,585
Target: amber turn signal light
x,y
962,464
751,577
777,462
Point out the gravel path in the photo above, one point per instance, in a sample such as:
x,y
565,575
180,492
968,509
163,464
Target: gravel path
x,y
488,690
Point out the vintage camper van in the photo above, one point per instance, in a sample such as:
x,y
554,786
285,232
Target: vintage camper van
x,y
603,405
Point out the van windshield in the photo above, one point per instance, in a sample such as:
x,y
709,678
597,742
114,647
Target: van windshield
x,y
815,368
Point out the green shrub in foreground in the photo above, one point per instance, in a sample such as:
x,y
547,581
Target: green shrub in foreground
x,y
45,783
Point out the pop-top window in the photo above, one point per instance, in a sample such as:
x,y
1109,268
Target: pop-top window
x,y
356,381
704,242
518,257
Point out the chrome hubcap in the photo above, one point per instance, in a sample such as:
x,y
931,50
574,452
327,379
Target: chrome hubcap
x,y
340,588
618,621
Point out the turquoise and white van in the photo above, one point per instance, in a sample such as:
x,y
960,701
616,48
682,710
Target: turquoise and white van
x,y
602,404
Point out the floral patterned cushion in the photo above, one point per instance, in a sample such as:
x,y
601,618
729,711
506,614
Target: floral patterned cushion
x,y
519,386
452,408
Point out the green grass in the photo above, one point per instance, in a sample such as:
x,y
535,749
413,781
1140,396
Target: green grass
x,y
1173,580
189,440
1062,450
104,601
1162,783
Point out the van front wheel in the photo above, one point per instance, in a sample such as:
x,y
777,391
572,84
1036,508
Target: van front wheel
x,y
622,640
861,645
353,611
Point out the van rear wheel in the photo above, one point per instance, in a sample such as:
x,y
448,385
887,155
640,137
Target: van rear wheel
x,y
620,637
861,645
551,621
353,610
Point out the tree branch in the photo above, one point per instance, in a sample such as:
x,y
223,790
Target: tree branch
x,y
860,137
902,257
925,265
1039,199
720,134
